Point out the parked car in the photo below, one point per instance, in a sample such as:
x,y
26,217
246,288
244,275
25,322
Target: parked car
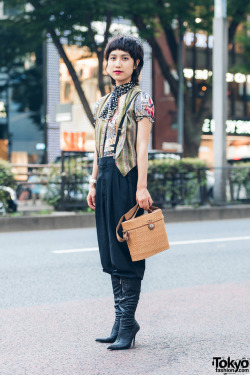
x,y
89,156
238,160
160,155
80,157
11,199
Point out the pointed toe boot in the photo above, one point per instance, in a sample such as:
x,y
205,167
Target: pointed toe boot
x,y
117,290
129,327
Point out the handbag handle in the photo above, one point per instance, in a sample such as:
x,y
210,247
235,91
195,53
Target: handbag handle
x,y
131,215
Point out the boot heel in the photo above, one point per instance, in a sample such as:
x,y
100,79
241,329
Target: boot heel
x,y
133,341
117,291
128,325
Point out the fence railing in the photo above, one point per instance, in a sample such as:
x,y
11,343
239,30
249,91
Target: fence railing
x,y
28,176
65,185
76,168
194,187
197,187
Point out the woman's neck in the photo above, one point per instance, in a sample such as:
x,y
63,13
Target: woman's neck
x,y
119,83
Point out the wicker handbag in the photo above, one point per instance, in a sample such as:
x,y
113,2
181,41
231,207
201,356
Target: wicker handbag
x,y
145,235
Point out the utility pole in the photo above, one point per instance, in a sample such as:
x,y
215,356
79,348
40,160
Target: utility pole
x,y
220,62
180,88
8,134
44,106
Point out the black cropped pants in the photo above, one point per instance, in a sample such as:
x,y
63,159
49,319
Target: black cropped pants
x,y
115,195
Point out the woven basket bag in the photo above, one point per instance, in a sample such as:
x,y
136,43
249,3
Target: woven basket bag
x,y
145,235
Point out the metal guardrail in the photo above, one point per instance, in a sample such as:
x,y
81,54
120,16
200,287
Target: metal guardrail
x,y
167,189
69,185
23,172
196,187
75,171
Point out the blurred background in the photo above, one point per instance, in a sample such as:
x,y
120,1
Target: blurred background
x,y
55,299
52,71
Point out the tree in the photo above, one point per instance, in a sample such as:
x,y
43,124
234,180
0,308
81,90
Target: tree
x,y
243,41
28,93
70,21
73,22
165,18
16,46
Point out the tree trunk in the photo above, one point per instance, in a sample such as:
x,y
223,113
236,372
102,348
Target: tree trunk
x,y
100,71
192,134
158,54
56,40
73,74
193,123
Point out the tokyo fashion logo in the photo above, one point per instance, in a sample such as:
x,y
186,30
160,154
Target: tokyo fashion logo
x,y
231,365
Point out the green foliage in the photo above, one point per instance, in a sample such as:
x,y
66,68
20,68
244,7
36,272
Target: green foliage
x,y
243,40
16,42
6,179
70,18
240,177
75,180
6,175
28,93
173,182
53,193
77,23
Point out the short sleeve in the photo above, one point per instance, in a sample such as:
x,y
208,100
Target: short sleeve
x,y
144,107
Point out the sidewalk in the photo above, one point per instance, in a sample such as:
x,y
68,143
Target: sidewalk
x,y
68,220
27,207
182,329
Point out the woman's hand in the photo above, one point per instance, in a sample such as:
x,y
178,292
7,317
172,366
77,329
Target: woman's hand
x,y
143,198
91,196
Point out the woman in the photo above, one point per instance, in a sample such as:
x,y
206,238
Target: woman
x,y
119,178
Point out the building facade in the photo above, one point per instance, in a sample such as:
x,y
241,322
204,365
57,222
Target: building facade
x,y
198,72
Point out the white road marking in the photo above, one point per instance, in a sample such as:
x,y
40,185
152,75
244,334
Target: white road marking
x,y
173,243
207,240
75,250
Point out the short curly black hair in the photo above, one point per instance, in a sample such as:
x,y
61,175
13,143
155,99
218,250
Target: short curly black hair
x,y
129,44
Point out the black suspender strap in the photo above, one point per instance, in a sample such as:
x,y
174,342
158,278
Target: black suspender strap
x,y
121,122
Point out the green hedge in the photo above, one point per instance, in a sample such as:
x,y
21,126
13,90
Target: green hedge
x,y
73,182
172,182
168,180
6,179
240,177
53,192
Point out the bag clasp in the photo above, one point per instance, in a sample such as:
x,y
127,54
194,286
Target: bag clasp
x,y
151,224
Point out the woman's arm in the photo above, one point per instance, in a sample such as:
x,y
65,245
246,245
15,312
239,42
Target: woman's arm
x,y
143,132
92,185
95,167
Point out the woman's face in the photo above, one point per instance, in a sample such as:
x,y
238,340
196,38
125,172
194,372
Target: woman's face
x,y
121,66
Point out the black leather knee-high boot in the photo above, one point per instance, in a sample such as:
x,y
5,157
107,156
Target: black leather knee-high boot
x,y
117,290
129,327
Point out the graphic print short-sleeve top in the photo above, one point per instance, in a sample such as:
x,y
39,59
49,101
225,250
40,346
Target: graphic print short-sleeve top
x,y
143,107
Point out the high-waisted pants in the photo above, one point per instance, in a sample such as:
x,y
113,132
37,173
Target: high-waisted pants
x,y
115,196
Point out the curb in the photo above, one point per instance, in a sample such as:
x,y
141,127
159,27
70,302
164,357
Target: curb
x,y
206,213
87,220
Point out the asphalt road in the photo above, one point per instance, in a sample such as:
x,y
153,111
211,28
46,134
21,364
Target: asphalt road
x,y
55,299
